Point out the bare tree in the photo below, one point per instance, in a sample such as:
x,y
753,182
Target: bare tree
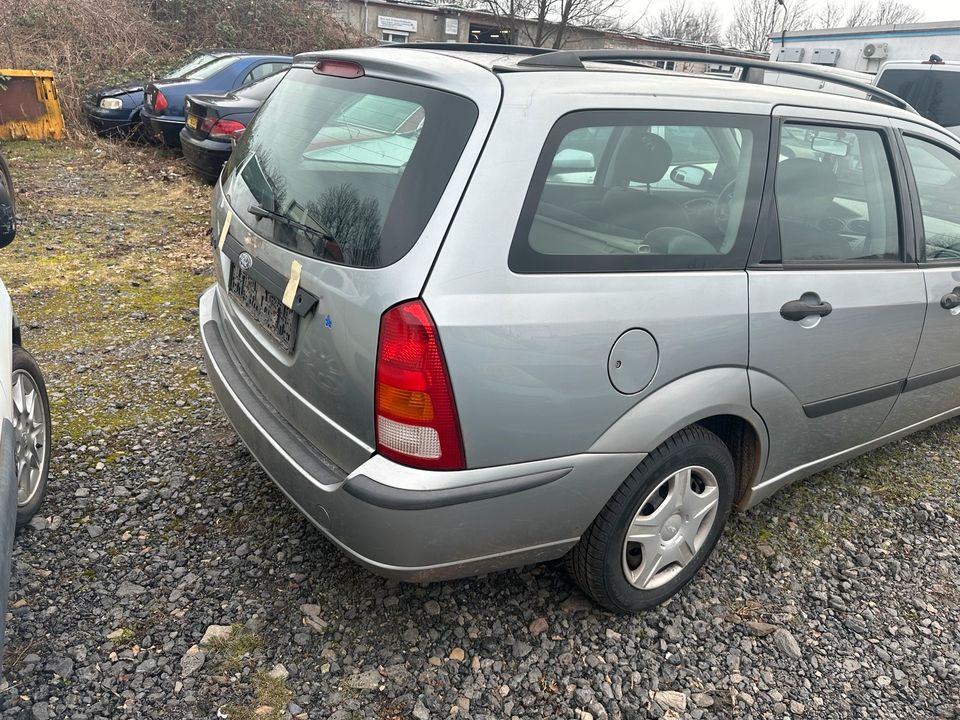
x,y
860,13
883,12
679,20
545,22
830,14
754,21
894,12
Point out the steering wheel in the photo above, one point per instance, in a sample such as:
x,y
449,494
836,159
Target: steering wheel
x,y
721,214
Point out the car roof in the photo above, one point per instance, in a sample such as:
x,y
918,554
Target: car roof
x,y
919,64
623,78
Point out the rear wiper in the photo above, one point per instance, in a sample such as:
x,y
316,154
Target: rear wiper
x,y
323,241
319,233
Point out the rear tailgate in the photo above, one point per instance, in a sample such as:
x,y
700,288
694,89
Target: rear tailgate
x,y
374,166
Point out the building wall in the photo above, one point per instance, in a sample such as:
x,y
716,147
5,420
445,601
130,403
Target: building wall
x,y
901,45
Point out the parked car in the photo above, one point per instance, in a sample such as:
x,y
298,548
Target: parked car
x,y
114,110
576,309
215,122
163,109
24,417
932,86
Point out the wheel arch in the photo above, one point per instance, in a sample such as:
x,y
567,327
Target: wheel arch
x,y
717,399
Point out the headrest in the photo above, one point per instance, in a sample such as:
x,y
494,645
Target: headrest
x,y
804,177
642,157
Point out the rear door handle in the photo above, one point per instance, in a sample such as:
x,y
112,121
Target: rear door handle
x,y
797,310
951,299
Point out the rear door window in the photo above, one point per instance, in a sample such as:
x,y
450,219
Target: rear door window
x,y
937,174
350,169
836,200
934,93
636,190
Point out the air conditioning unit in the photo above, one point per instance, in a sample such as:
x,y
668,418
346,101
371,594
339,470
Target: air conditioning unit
x,y
875,51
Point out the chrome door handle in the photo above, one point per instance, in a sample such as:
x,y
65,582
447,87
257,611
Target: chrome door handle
x,y
797,310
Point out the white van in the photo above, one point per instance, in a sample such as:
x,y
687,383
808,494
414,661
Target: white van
x,y
931,86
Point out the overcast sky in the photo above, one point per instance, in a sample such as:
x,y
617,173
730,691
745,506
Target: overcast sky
x,y
932,9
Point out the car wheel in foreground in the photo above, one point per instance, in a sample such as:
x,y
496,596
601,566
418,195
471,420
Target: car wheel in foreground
x,y
660,526
31,423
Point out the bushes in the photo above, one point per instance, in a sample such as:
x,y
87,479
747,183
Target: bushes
x,y
93,43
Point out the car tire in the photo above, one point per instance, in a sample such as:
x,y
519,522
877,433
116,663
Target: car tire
x,y
675,505
31,414
6,180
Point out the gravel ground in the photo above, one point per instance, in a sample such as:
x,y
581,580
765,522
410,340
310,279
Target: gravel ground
x,y
168,578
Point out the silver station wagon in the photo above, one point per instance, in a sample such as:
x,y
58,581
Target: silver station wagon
x,y
478,307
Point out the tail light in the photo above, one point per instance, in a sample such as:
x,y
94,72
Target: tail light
x,y
223,129
416,416
159,102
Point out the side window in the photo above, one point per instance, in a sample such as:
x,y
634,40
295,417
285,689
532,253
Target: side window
x,y
626,190
937,172
835,195
264,70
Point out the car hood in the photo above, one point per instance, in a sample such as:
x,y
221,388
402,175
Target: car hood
x,y
131,86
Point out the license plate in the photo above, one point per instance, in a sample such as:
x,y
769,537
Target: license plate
x,y
192,122
266,308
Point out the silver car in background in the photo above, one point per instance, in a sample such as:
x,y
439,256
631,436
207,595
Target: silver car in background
x,y
481,307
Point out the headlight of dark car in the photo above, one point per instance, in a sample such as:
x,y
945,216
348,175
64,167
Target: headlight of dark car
x,y
111,103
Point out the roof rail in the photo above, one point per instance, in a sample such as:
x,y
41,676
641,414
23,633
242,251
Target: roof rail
x,y
492,48
574,59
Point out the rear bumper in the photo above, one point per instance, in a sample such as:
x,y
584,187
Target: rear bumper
x,y
206,157
411,524
8,518
166,129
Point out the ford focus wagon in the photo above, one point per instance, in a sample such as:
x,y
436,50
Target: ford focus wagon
x,y
477,308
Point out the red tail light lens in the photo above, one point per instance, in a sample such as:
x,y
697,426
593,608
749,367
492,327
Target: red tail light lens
x,y
224,129
416,416
160,102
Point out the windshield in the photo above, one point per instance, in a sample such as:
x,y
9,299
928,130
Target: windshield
x,y
211,69
934,93
360,162
191,63
260,89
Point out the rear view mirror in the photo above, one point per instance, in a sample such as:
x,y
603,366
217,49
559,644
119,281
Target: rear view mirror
x,y
830,146
691,176
8,220
571,160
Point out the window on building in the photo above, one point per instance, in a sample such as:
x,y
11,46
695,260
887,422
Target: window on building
x,y
395,37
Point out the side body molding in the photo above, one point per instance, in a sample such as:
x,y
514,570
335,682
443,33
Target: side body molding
x,y
717,391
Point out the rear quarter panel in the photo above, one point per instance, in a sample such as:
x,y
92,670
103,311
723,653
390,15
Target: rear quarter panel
x,y
528,353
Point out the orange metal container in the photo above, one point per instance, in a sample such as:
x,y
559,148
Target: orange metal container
x,y
29,109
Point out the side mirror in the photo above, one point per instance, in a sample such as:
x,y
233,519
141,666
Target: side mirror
x,y
8,220
571,160
690,176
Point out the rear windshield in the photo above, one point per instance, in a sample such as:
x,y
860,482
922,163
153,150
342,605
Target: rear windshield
x,y
934,93
191,63
260,89
211,69
347,170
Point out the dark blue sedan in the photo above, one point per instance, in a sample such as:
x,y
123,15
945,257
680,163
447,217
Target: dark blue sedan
x,y
163,108
114,110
